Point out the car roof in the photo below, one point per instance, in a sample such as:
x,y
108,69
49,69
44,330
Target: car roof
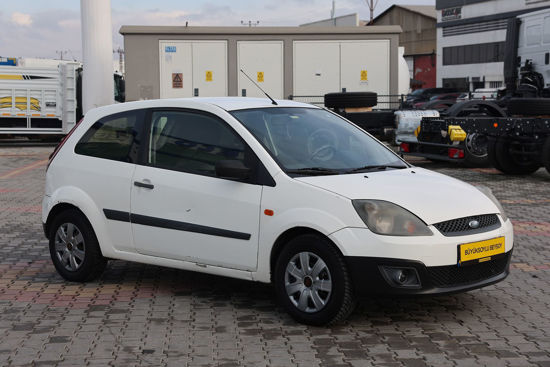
x,y
226,103
239,103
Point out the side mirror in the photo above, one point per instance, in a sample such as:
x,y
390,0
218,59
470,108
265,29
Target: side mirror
x,y
232,169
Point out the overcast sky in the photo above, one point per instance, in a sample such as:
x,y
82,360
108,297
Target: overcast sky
x,y
37,28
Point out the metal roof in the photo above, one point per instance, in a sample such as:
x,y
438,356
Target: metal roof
x,y
131,29
425,10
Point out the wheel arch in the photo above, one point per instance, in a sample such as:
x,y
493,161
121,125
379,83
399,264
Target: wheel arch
x,y
55,211
69,197
288,235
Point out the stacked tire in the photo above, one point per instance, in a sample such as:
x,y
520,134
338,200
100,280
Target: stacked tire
x,y
351,99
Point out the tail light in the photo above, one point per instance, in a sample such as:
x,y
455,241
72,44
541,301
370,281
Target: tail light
x,y
60,145
456,153
405,148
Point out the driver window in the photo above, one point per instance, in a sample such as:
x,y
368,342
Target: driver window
x,y
191,142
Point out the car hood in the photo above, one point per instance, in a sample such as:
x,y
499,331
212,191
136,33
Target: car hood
x,y
431,196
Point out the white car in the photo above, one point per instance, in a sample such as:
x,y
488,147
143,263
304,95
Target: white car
x,y
285,193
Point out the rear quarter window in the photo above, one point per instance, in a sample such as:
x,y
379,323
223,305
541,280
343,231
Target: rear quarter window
x,y
115,137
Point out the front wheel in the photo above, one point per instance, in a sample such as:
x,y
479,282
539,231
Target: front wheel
x,y
312,282
475,152
74,248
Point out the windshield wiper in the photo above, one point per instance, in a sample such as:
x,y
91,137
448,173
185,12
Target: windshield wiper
x,y
313,171
379,167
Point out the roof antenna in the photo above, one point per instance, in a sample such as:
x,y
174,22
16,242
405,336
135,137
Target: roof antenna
x,y
249,78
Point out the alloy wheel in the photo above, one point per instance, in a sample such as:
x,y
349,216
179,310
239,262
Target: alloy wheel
x,y
308,282
69,246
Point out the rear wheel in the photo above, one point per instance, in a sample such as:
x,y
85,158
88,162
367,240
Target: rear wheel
x,y
511,160
492,154
312,282
546,154
74,248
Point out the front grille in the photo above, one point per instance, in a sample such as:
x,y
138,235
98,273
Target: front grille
x,y
453,275
460,226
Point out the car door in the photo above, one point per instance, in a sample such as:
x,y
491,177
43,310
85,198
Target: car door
x,y
103,168
180,208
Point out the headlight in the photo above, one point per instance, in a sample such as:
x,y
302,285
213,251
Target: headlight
x,y
487,191
383,217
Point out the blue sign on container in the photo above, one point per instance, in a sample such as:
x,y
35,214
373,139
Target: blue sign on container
x,y
170,49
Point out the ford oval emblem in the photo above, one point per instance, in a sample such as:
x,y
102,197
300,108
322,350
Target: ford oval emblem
x,y
473,224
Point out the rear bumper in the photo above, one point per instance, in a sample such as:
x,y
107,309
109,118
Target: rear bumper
x,y
434,151
368,278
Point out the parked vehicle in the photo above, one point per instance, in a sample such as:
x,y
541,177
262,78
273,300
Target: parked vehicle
x,y
38,100
447,99
486,94
44,100
511,133
277,192
424,95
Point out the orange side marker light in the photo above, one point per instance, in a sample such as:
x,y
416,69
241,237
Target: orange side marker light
x,y
495,125
269,212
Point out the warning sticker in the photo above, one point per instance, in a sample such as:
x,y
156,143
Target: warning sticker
x,y
209,76
177,80
260,76
364,76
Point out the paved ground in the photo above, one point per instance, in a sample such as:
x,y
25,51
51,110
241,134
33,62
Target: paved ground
x,y
146,315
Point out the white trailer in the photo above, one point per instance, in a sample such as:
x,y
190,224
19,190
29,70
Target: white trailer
x,y
38,100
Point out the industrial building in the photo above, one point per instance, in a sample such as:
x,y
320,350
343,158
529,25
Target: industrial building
x,y
471,38
418,38
166,62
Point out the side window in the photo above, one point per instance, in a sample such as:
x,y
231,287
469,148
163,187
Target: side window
x,y
114,137
191,142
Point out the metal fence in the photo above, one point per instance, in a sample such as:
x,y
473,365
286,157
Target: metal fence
x,y
385,102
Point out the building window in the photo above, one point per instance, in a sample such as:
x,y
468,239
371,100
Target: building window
x,y
492,25
495,84
474,54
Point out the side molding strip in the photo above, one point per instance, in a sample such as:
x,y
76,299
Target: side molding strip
x,y
172,224
117,215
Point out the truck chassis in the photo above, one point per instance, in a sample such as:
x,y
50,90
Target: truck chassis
x,y
515,145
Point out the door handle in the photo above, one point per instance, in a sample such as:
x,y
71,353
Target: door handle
x,y
144,185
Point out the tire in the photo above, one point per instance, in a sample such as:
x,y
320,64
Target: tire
x,y
351,99
492,155
84,261
334,305
529,106
475,150
546,154
509,162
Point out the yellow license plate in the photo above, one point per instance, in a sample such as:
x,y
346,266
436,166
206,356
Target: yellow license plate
x,y
481,251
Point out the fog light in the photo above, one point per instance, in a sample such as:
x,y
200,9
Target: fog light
x,y
401,277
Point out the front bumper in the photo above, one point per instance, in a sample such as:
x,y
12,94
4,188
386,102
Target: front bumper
x,y
367,275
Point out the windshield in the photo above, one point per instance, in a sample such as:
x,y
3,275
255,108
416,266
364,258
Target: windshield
x,y
315,141
417,92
